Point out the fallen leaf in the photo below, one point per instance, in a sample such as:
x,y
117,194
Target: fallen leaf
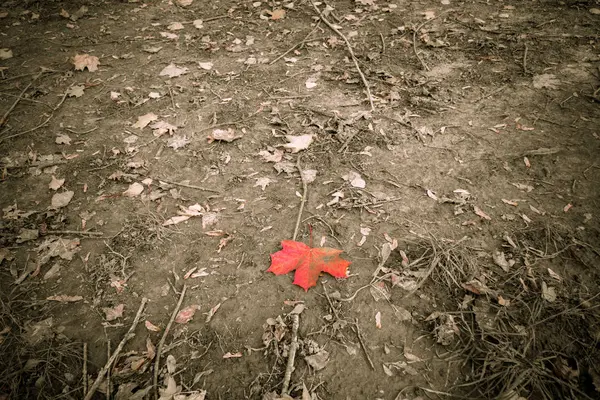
x,y
83,61
55,183
548,292
212,312
481,214
60,200
548,81
510,202
297,143
311,82
176,220
185,315
184,3
144,120
63,139
232,355
278,14
152,49
355,179
318,361
205,65
169,35
177,142
75,91
522,186
5,54
63,298
228,135
173,71
500,260
151,327
175,26
161,127
308,263
25,235
273,157
554,275
135,189
113,313
263,182
309,175
378,320
198,24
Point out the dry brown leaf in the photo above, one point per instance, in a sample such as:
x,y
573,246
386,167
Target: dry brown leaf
x,y
228,135
278,14
144,120
63,298
55,183
63,139
135,189
60,200
185,315
151,327
173,71
83,61
113,313
297,143
263,182
481,214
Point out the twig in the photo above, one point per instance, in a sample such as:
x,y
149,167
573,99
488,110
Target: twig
x,y
239,121
337,317
5,116
382,43
38,165
493,92
340,34
291,355
84,369
35,128
362,344
91,233
525,60
344,147
162,341
302,201
415,42
81,133
296,45
115,354
188,186
108,388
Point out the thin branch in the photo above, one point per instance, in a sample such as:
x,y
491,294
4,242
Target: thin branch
x,y
115,354
162,341
302,201
297,45
187,185
292,355
340,34
362,344
5,116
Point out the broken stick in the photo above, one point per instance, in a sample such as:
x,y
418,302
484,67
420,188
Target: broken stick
x,y
349,46
292,355
303,201
115,354
162,341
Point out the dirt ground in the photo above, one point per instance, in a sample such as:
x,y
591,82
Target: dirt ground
x,y
149,165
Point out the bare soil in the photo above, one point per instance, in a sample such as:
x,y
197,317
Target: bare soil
x,y
480,167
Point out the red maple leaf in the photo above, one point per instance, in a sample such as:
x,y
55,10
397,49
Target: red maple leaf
x,y
308,262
